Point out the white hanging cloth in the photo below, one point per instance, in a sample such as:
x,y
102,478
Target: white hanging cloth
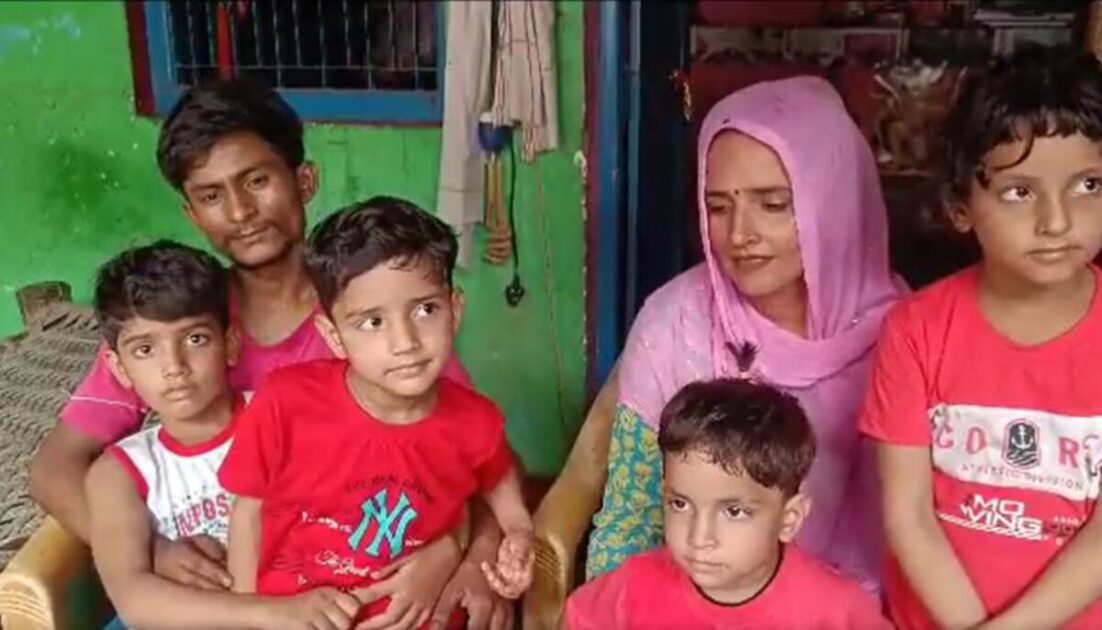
x,y
466,83
524,95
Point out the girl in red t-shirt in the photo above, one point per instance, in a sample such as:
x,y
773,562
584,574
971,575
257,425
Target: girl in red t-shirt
x,y
985,392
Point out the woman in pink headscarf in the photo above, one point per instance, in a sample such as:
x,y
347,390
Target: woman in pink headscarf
x,y
796,242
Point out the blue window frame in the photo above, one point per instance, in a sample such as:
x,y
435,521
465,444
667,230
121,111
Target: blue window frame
x,y
327,58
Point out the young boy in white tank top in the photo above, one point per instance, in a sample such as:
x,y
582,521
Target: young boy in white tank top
x,y
163,313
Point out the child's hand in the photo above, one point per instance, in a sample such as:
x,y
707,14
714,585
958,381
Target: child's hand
x,y
199,561
512,575
413,585
319,609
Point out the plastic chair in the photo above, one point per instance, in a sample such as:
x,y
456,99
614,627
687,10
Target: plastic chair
x,y
564,515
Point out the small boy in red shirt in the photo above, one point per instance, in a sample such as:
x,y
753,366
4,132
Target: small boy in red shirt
x,y
343,466
735,455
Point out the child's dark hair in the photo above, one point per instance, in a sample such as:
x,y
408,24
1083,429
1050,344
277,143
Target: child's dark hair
x,y
361,236
745,427
211,111
1038,92
165,281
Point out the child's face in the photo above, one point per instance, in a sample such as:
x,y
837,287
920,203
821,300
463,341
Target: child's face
x,y
178,368
395,324
248,201
725,530
1038,222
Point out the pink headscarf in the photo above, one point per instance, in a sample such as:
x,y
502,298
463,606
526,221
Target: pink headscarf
x,y
682,332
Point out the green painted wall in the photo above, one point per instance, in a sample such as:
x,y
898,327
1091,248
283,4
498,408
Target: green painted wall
x,y
78,182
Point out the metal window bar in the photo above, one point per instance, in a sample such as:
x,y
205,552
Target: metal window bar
x,y
233,14
347,39
193,56
254,17
416,46
373,58
275,36
392,18
321,42
367,46
298,43
176,44
212,40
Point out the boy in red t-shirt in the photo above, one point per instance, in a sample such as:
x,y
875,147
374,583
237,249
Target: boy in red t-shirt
x,y
986,397
344,466
735,455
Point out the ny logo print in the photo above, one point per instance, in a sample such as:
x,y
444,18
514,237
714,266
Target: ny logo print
x,y
392,524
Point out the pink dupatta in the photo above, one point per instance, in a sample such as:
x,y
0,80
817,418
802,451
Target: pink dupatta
x,y
682,332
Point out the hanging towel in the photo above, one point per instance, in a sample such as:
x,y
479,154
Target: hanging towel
x,y
525,92
466,91
524,95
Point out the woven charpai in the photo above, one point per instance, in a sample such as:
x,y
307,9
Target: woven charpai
x,y
38,369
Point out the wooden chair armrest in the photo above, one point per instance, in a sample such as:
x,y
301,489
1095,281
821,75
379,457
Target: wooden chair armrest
x,y
563,517
47,583
560,525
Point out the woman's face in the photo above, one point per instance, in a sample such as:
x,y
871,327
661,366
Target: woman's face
x,y
751,223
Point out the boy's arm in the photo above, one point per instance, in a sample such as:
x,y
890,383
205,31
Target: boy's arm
x,y
507,504
121,543
244,544
57,476
1071,583
58,483
100,411
511,576
932,569
467,586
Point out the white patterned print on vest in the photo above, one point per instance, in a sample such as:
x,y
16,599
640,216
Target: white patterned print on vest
x,y
179,483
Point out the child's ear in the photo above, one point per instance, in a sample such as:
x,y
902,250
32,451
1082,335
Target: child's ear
x,y
459,302
960,219
307,176
114,363
329,334
233,345
796,509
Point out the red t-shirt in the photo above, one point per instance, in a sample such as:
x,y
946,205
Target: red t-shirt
x,y
344,494
1015,435
650,592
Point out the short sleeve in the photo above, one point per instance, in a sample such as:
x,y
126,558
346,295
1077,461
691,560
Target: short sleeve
x,y
256,454
896,404
101,407
131,469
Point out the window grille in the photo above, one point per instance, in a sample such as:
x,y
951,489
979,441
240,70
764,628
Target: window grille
x,y
351,60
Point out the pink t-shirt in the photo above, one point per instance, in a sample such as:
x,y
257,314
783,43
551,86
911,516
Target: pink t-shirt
x,y
1013,431
104,409
650,592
